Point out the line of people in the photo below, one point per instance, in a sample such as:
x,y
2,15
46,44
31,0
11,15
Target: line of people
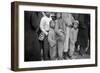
x,y
58,36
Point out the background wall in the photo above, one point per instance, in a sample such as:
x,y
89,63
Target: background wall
x,y
5,36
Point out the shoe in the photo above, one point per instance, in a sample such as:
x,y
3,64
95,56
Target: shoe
x,y
65,55
69,56
80,53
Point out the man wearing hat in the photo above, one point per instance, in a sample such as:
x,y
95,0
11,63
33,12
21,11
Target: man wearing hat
x,y
44,26
52,38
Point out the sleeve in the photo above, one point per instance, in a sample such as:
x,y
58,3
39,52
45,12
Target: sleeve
x,y
42,24
57,29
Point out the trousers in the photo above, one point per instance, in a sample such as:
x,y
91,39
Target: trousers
x,y
67,37
53,52
46,49
60,49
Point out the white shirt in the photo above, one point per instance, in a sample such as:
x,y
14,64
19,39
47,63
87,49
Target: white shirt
x,y
44,24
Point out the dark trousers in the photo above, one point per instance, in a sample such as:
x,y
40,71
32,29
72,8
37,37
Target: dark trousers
x,y
46,49
82,50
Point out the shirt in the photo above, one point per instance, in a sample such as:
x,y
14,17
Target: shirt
x,y
73,35
44,24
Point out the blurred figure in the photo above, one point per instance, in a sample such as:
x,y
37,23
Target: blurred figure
x,y
60,33
32,46
52,39
44,26
68,20
73,37
84,33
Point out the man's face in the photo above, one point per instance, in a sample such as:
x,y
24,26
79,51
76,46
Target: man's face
x,y
47,14
58,15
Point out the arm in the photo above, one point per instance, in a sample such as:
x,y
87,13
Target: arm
x,y
57,29
42,24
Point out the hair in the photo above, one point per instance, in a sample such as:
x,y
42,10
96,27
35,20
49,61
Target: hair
x,y
76,21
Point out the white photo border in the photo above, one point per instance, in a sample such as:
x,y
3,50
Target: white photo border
x,y
34,64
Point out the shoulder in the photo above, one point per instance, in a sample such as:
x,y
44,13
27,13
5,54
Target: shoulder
x,y
43,18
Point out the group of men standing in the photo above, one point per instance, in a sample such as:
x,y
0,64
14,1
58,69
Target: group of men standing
x,y
57,37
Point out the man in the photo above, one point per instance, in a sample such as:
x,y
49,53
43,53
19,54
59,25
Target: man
x,y
44,26
68,20
52,39
84,33
73,38
32,46
60,33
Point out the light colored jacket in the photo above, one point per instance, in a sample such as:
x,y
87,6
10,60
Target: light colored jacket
x,y
60,29
52,37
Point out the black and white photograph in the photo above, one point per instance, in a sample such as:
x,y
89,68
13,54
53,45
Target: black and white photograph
x,y
53,36
56,36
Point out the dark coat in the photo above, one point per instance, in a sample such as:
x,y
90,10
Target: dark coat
x,y
32,46
84,30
